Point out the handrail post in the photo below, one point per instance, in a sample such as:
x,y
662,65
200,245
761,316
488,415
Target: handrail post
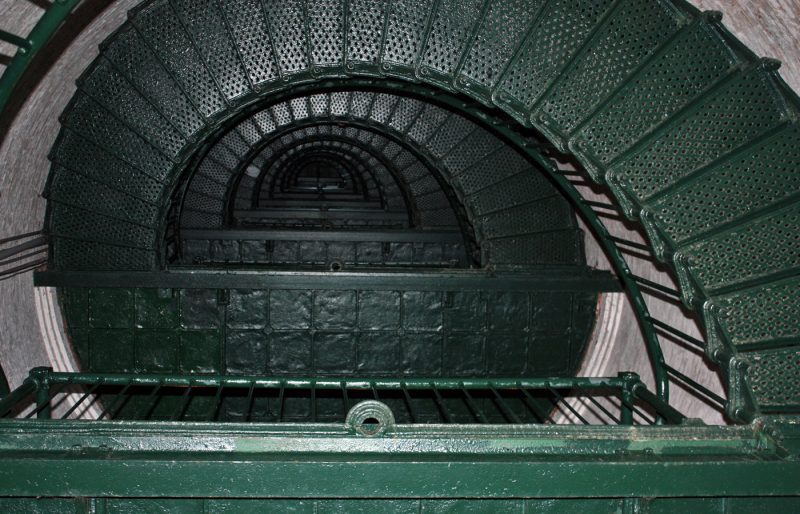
x,y
41,377
627,396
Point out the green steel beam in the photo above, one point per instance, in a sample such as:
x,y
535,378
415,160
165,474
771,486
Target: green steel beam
x,y
367,236
152,459
265,213
314,202
564,278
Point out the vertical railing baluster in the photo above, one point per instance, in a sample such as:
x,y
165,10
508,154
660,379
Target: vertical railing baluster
x,y
155,398
43,410
504,408
411,414
280,401
250,399
345,399
605,411
440,402
476,411
214,411
186,398
313,402
569,406
113,405
81,400
532,404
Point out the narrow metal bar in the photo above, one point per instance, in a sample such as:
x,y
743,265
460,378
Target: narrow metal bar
x,y
643,415
43,410
11,272
662,408
214,411
476,411
655,285
603,410
531,403
695,385
501,403
601,205
113,405
412,415
81,400
19,236
15,40
186,398
625,410
27,245
631,244
20,258
440,403
374,391
153,396
250,399
54,392
313,403
280,402
345,399
568,405
674,331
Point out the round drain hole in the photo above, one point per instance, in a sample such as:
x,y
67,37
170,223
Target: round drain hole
x,y
336,266
370,418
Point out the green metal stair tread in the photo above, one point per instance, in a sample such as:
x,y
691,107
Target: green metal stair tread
x,y
500,33
448,38
81,224
559,31
543,215
326,33
759,317
734,191
554,247
363,42
524,187
159,25
249,30
629,35
74,154
204,23
87,118
289,40
131,55
406,27
774,378
110,89
693,62
71,254
762,248
657,169
475,146
69,188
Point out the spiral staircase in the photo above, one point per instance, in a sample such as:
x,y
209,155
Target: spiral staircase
x,y
421,255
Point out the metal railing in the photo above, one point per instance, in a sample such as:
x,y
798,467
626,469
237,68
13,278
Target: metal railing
x,y
22,253
29,45
514,401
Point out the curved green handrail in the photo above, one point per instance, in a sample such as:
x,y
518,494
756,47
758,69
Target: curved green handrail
x,y
28,47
